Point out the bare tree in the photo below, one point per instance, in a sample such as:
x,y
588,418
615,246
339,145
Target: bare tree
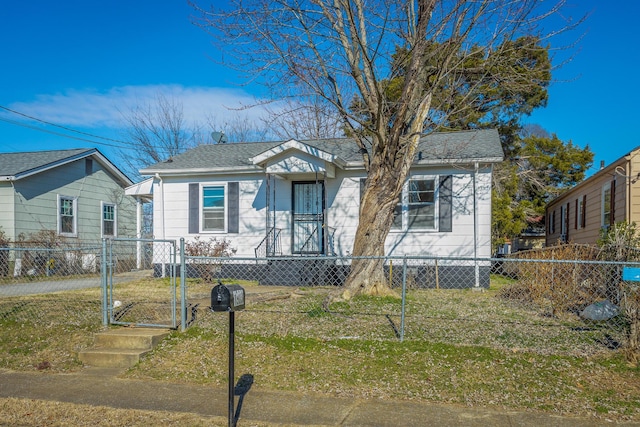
x,y
314,119
346,52
156,132
238,128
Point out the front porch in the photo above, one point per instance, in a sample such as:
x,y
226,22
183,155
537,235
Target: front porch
x,y
320,241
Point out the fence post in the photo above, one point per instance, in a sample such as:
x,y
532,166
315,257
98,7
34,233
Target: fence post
x,y
183,288
404,296
174,285
103,269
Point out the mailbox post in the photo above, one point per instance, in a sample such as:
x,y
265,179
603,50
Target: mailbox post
x,y
229,298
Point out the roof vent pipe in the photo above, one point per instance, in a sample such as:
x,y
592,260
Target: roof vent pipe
x,y
601,164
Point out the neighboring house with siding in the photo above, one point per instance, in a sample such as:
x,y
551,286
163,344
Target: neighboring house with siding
x,y
292,198
610,195
78,194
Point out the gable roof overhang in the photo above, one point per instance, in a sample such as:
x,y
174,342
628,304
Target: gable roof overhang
x,y
294,158
612,169
37,167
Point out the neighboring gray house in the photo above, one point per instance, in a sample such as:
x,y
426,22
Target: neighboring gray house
x,y
284,198
78,194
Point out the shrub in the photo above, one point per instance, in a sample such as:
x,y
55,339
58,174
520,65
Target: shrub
x,y
207,251
622,243
560,285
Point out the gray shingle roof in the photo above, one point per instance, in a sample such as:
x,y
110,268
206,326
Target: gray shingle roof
x,y
16,164
434,148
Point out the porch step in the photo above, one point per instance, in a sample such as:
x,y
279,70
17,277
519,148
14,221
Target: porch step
x,y
121,348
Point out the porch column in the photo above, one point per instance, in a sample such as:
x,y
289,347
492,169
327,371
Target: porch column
x,y
139,206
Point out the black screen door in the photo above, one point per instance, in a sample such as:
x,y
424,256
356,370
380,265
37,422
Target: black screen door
x,y
308,217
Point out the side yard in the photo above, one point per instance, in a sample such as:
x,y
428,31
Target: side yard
x,y
472,347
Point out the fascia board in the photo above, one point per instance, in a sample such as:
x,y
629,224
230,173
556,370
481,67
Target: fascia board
x,y
432,162
202,171
112,168
292,144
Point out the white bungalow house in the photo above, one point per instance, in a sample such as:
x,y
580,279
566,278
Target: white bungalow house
x,y
296,198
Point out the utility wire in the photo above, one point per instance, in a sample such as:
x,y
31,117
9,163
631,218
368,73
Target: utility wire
x,y
13,122
126,145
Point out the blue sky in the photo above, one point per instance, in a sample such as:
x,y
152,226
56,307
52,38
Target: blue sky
x,y
82,63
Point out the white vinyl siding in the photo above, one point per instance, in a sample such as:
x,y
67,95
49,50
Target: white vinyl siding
x,y
342,209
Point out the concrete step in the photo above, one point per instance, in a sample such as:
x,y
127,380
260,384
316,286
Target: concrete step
x,y
121,348
111,358
130,338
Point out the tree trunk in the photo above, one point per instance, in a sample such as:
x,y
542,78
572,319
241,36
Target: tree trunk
x,y
379,199
385,178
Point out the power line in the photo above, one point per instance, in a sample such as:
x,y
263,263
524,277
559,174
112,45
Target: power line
x,y
13,122
126,145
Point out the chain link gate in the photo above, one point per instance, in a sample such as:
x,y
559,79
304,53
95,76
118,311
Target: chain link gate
x,y
127,262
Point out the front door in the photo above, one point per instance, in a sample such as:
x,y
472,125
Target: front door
x,y
308,218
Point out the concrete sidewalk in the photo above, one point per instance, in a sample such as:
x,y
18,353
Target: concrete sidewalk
x,y
95,386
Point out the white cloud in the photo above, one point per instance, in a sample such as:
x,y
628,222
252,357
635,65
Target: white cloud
x,y
95,109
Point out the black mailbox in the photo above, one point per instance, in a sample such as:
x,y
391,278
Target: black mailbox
x,y
227,298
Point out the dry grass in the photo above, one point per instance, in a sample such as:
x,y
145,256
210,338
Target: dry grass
x,y
28,412
463,347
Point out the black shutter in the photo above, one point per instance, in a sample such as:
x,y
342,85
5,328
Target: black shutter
x,y
234,207
584,211
445,203
612,216
566,223
194,208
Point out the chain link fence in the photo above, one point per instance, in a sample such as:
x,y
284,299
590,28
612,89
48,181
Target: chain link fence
x,y
550,306
71,283
50,284
141,283
556,306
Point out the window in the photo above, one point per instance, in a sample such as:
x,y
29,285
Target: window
x,y
552,222
422,206
416,207
213,208
606,205
67,220
580,213
108,220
